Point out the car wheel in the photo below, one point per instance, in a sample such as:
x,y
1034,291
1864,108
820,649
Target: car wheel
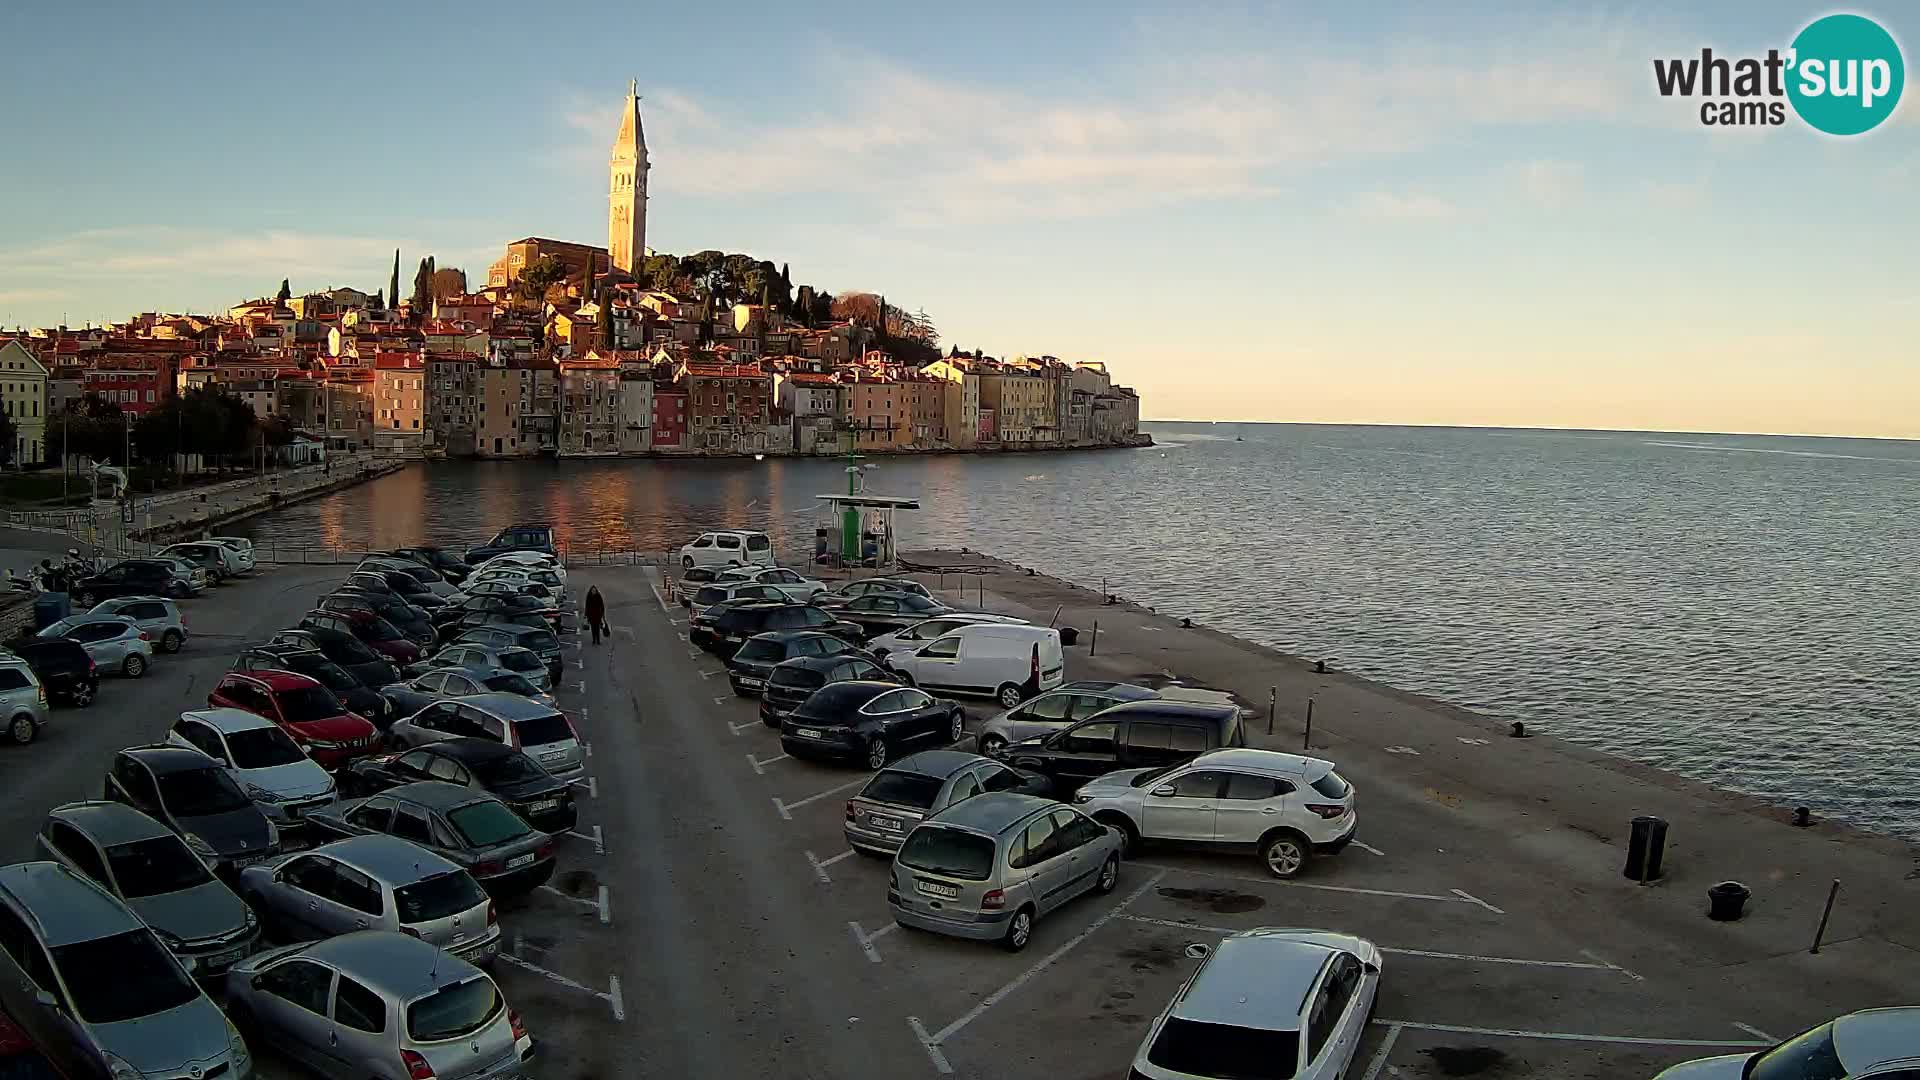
x,y
686,562
1285,854
1109,875
1009,696
956,726
21,730
992,746
170,641
82,695
876,753
905,678
1019,930
134,665
1129,836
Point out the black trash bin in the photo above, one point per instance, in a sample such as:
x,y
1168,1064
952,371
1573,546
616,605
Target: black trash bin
x,y
1646,846
1726,901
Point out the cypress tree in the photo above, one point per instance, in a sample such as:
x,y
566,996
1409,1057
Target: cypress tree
x,y
606,320
285,293
393,283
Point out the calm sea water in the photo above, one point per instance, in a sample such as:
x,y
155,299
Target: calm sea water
x,y
1736,609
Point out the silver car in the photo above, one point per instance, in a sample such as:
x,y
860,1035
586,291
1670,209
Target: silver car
x,y
242,549
1053,711
904,793
23,701
543,732
523,662
157,615
115,642
374,882
262,758
151,870
381,1005
186,571
793,585
989,867
100,995
219,561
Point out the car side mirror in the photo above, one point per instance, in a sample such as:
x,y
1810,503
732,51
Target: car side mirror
x,y
1164,791
46,999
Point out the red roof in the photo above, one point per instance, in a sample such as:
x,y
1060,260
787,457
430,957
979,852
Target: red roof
x,y
812,378
396,361
726,371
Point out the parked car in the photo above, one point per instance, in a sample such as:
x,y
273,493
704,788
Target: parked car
x,y
374,882
736,623
472,828
63,668
791,584
1054,710
549,578
262,758
542,731
989,867
918,634
749,666
217,560
148,868
500,770
242,549
522,662
439,684
497,587
853,590
23,700
411,621
99,995
457,627
190,793
304,709
449,565
134,577
920,785
1289,1002
115,642
728,548
869,722
792,682
1006,662
1131,735
421,586
886,613
538,640
1870,1044
530,536
1286,808
691,578
371,668
185,571
379,634
160,617
357,696
372,1003
719,591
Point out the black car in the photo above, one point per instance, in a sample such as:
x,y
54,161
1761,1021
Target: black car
x,y
870,722
344,649
64,669
1132,735
190,793
792,682
406,581
408,619
446,563
134,577
509,774
732,627
531,536
457,627
749,666
883,613
357,696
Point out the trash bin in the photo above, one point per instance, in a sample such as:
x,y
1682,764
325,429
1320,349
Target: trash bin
x,y
1646,845
50,608
1726,900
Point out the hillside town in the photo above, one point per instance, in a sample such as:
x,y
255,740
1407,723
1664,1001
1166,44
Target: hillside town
x,y
569,350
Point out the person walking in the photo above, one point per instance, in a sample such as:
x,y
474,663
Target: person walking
x,y
596,611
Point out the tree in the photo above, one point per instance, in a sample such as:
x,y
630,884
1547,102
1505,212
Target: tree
x,y
7,437
449,281
393,285
379,298
538,277
860,307
786,289
606,320
286,291
423,288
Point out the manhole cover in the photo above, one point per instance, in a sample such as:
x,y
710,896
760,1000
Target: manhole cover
x,y
1197,951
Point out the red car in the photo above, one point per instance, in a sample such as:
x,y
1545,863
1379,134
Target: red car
x,y
379,635
304,709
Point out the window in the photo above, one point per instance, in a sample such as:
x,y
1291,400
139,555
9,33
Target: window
x,y
372,816
1198,785
137,782
1048,707
1331,1003
78,850
1255,788
1073,830
300,982
448,770
1036,845
13,679
1189,740
950,852
967,787
1096,738
1332,786
946,647
411,825
359,1008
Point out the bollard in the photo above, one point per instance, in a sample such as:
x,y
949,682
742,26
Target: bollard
x,y
1646,846
1273,694
1185,624
1825,915
1306,737
1093,647
1519,730
1726,901
1802,817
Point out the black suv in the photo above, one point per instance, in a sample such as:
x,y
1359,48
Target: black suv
x,y
134,577
1134,735
357,695
64,669
735,625
525,537
749,666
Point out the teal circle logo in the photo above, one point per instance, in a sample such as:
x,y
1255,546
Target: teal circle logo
x,y
1846,74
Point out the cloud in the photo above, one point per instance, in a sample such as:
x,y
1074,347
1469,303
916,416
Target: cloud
x,y
1552,184
1409,206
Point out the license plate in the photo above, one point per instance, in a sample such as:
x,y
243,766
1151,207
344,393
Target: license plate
x,y
934,888
745,681
556,755
544,805
806,733
887,823
245,861
520,860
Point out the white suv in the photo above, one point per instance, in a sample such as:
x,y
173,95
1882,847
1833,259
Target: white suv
x,y
1286,807
730,548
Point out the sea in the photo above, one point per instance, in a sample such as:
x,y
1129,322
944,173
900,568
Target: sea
x,y
1737,609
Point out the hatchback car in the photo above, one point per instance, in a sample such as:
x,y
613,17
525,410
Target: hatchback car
x,y
97,992
869,722
472,828
748,668
788,582
374,882
899,796
149,869
1131,735
406,588
988,867
158,616
262,758
448,564
139,577
719,592
431,580
1052,711
439,684
859,587
887,613
217,560
190,793
1873,1044
522,662
242,549
409,620
344,649
376,1004
542,731
539,640
379,635
792,682
115,642
735,623
533,792
23,700
462,619
357,696
1267,1003
1284,807
330,733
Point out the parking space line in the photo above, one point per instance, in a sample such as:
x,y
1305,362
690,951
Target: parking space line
x,y
939,1059
1364,846
1755,1032
820,866
1566,1036
580,664
581,686
1596,958
784,807
693,654
682,637
567,896
738,728
661,598
1472,899
710,674
719,701
760,767
866,940
611,996
1380,1056
614,998
1458,898
592,786
599,846
606,908
1471,958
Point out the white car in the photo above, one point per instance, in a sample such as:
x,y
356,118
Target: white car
x,y
218,560
1871,1043
242,549
793,585
1286,807
528,560
720,592
922,632
263,759
732,547
1267,1003
1009,662
555,590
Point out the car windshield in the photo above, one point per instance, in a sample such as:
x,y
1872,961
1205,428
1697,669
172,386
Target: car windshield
x,y
262,748
951,852
916,602
325,672
379,629
1332,785
484,824
507,769
152,867
1150,776
539,640
123,977
520,660
761,649
1807,1056
803,677
438,897
306,703
509,683
902,789
455,1011
199,792
541,730
1225,1051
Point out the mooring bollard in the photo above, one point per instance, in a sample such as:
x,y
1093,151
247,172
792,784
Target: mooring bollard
x,y
1273,697
1802,817
1726,901
1825,914
1093,647
1306,737
1319,667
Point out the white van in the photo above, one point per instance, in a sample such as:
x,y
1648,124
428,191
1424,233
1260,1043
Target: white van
x,y
732,547
1009,663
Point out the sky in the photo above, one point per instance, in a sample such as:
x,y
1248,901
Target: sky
x,y
1429,214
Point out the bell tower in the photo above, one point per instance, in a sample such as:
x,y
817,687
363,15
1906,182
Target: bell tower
x,y
627,189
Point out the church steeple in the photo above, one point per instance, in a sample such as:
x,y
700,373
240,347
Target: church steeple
x,y
627,188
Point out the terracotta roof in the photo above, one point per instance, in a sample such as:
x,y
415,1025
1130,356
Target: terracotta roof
x,y
812,378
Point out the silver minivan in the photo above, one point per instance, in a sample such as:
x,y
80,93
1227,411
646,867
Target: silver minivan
x,y
988,868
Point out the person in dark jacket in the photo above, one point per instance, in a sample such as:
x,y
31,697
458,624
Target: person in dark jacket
x,y
596,611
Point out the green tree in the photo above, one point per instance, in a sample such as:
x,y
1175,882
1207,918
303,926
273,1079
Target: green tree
x,y
423,288
538,277
286,291
606,320
786,289
393,284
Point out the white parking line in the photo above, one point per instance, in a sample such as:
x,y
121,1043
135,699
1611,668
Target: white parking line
x,y
581,686
1380,1056
711,674
820,866
1596,958
1566,1036
618,1003
1751,1030
599,846
719,701
738,728
592,786
611,996
1470,958
693,654
658,596
682,637
939,1059
760,767
866,940
580,665
569,897
606,908
783,808
1459,898
1364,846
1472,899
